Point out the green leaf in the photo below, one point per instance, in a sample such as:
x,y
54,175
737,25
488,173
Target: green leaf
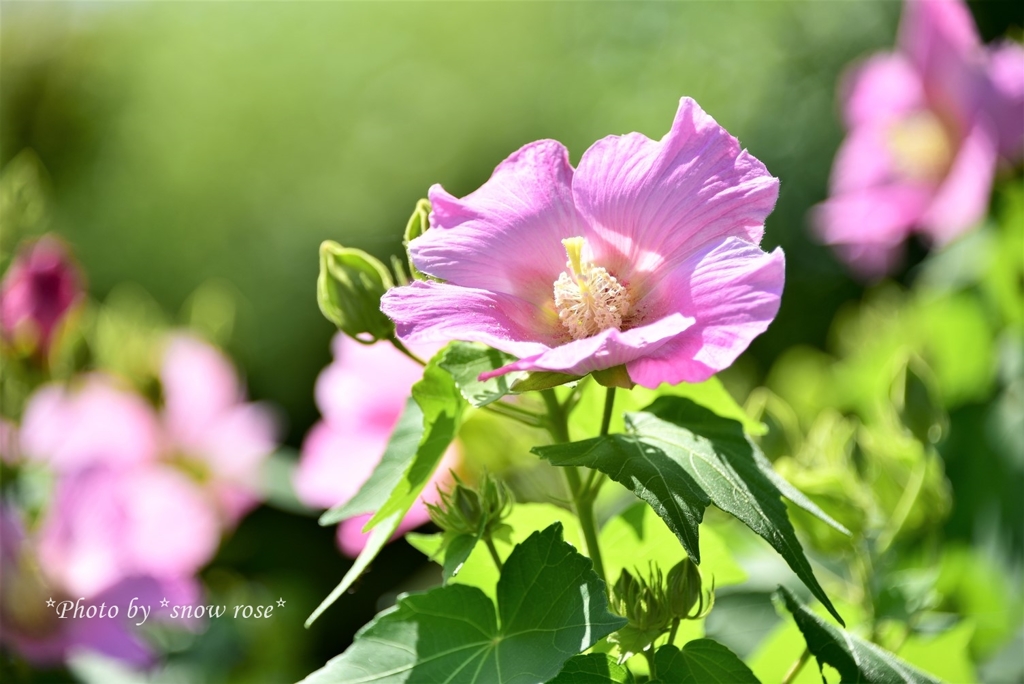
x,y
856,659
426,428
680,458
385,477
593,668
701,661
456,553
466,361
374,543
442,406
348,290
551,606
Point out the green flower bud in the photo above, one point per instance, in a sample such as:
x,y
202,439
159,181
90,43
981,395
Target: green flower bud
x,y
418,224
685,591
349,289
465,510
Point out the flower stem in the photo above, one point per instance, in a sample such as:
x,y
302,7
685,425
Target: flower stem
x,y
794,670
582,499
405,350
494,552
672,632
520,415
649,655
609,404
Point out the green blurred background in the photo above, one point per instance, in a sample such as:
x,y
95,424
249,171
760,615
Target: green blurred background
x,y
195,141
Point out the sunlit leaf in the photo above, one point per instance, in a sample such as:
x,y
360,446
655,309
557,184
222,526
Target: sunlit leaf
x,y
680,458
856,659
550,606
466,361
702,661
593,668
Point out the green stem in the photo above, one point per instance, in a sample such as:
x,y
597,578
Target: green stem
x,y
649,655
796,667
609,404
517,414
582,500
405,350
494,552
672,632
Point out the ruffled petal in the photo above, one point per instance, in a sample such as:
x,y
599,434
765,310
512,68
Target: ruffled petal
x,y
506,236
883,88
651,204
962,199
732,289
607,349
426,312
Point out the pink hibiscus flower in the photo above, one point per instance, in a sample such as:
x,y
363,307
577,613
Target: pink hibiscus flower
x,y
928,124
646,256
38,291
361,395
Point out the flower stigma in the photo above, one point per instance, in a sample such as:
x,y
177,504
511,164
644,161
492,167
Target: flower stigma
x,y
588,298
921,147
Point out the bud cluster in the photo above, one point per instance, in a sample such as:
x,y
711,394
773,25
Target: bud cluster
x,y
655,604
465,510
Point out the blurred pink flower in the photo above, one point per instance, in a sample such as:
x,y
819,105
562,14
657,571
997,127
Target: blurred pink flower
x,y
646,256
927,125
106,524
94,423
33,629
40,287
211,428
361,395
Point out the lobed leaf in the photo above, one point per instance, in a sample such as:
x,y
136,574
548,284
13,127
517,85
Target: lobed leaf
x,y
550,606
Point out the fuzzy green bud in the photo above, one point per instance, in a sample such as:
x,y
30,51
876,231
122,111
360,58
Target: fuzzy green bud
x,y
418,224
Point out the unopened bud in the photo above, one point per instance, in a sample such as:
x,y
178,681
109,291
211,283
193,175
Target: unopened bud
x,y
418,224
349,289
40,288
686,593
465,510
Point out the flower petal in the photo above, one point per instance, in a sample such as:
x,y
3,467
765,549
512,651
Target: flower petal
x,y
607,349
651,204
733,290
1006,73
883,88
864,160
505,236
940,39
962,199
438,312
881,217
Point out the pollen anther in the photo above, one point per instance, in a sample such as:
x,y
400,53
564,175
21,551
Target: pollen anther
x,y
588,298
